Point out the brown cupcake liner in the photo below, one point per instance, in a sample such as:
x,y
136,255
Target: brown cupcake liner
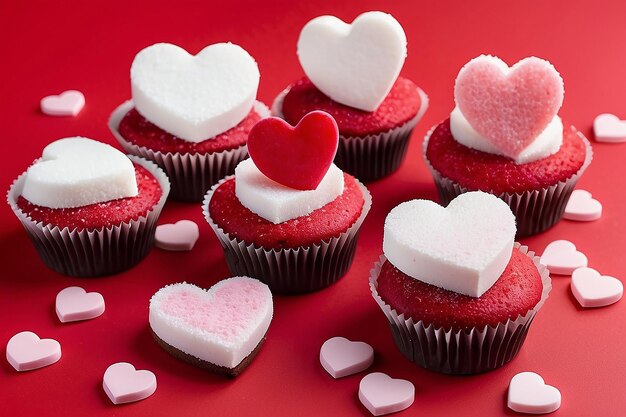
x,y
191,174
535,211
90,253
373,156
291,270
463,351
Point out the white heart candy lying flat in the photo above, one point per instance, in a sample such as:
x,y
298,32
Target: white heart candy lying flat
x,y
594,290
123,384
562,258
68,103
529,394
582,207
26,351
194,97
341,357
74,304
354,64
180,236
381,394
609,128
75,172
464,247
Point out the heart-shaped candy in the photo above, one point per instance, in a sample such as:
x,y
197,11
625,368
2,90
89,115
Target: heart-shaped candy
x,y
609,128
354,64
194,97
529,394
123,384
582,207
180,236
341,357
381,394
74,304
562,258
26,351
594,290
464,247
509,107
296,157
68,103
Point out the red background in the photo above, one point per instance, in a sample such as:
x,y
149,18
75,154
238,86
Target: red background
x,y
47,48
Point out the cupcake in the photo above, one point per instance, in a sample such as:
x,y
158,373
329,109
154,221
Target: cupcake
x,y
89,209
289,216
504,137
191,115
458,292
352,73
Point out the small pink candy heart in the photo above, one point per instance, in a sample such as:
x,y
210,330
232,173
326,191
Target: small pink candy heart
x,y
509,107
529,394
609,128
26,351
123,384
341,357
594,290
562,258
381,394
74,304
68,103
582,207
180,236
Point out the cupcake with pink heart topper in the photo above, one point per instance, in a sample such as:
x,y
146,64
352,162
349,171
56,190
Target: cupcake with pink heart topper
x,y
505,137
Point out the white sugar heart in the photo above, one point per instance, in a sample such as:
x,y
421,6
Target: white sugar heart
x,y
464,247
75,304
194,97
68,103
341,357
180,236
381,394
123,384
562,258
582,207
594,290
529,394
609,128
26,351
75,172
354,64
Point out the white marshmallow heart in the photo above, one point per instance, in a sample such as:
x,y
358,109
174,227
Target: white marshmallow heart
x,y
75,172
354,64
529,394
562,258
582,207
594,290
609,128
194,97
464,247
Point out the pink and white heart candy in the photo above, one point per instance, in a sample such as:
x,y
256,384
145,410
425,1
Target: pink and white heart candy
x,y
529,394
124,384
180,236
68,103
342,357
594,290
582,207
26,351
562,258
75,304
609,128
381,394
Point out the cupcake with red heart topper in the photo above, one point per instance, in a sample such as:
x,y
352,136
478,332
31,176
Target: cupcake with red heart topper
x,y
89,209
504,137
289,216
352,72
458,292
190,114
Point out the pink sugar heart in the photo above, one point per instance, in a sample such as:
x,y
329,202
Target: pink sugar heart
x,y
381,394
68,103
562,258
609,128
529,394
509,107
582,207
594,290
123,384
341,357
180,236
26,351
74,304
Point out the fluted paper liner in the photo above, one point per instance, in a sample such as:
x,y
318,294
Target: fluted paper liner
x,y
460,351
88,253
191,174
535,211
373,156
291,270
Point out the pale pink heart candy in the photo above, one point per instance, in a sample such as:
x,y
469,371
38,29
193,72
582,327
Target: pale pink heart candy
x,y
74,304
341,357
529,394
123,384
509,107
68,103
609,128
381,394
562,258
594,290
26,351
582,207
180,236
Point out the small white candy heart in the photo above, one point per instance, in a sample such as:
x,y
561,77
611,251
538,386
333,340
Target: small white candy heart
x,y
594,290
562,258
354,64
582,207
381,394
123,384
341,357
529,394
26,351
194,97
74,304
609,128
180,236
68,103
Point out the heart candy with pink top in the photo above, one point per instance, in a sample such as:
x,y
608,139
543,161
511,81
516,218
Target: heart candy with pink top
x,y
124,384
26,351
381,394
180,236
75,304
68,103
342,357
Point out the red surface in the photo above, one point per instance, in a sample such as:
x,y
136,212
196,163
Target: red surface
x,y
322,224
478,170
54,46
516,291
